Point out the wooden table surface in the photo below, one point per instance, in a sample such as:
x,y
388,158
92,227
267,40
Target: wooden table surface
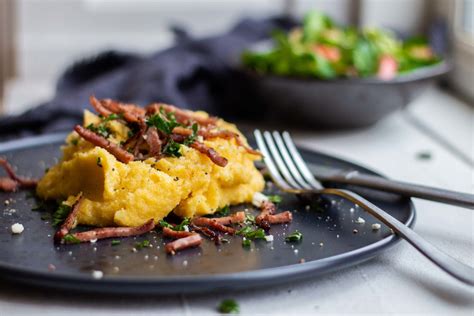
x,y
398,281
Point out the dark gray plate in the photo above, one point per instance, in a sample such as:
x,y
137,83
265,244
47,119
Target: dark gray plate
x,y
328,243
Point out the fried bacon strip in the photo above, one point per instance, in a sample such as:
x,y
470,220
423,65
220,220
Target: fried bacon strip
x,y
153,141
193,240
211,153
97,105
168,232
267,208
8,185
214,236
235,218
228,135
212,223
217,134
267,216
131,113
111,232
182,116
13,182
70,221
280,218
100,141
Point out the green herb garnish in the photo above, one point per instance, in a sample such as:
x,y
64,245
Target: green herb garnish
x,y
70,239
249,219
228,306
185,222
61,214
246,242
75,141
274,198
100,129
163,121
164,223
223,211
115,242
192,138
294,237
172,149
244,230
142,244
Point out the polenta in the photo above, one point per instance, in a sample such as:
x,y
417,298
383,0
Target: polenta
x,y
133,164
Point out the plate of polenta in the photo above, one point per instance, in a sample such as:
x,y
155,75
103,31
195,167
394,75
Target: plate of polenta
x,y
164,200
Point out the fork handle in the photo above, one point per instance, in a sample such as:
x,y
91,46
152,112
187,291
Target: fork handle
x,y
403,188
452,266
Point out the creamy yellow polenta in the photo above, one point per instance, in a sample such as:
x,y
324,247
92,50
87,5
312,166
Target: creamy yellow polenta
x,y
121,194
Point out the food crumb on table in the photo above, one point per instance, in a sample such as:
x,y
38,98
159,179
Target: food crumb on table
x,y
17,228
97,274
376,226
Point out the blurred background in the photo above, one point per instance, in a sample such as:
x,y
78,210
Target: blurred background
x,y
40,38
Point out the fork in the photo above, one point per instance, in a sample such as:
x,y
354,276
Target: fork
x,y
291,174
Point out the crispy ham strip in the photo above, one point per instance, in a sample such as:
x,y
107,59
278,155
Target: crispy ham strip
x,y
228,135
70,222
182,116
97,105
214,236
168,232
153,141
267,216
8,185
235,218
13,182
217,134
111,232
211,153
100,141
212,223
131,113
193,240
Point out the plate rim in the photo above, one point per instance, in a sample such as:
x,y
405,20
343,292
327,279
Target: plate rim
x,y
187,283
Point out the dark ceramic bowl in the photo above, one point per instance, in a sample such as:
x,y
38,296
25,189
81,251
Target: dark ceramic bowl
x,y
339,103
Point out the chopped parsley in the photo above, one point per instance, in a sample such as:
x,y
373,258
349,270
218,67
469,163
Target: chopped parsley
x,y
100,129
228,306
184,223
60,214
164,223
223,211
180,227
115,242
294,237
99,162
163,121
246,242
70,239
250,235
249,219
172,149
142,244
274,198
75,141
192,138
112,117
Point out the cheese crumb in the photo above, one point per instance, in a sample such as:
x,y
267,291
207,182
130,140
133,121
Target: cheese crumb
x,y
17,228
376,226
258,199
93,241
97,274
269,238
360,220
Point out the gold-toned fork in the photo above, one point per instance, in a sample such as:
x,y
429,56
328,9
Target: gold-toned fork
x,y
291,174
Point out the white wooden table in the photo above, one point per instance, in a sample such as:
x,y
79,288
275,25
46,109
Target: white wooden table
x,y
398,281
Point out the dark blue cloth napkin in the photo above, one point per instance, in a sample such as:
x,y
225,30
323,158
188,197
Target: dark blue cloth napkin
x,y
193,74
